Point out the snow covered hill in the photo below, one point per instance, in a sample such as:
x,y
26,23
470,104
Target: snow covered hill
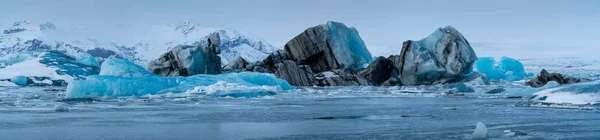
x,y
139,43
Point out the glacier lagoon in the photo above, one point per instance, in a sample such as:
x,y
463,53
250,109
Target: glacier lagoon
x,y
302,113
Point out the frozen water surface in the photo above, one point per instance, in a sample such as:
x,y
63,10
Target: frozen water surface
x,y
302,113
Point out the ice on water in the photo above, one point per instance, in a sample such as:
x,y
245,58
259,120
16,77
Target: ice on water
x,y
124,78
480,131
575,94
19,80
508,69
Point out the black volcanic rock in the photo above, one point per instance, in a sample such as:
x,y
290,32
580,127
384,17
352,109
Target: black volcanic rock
x,y
378,71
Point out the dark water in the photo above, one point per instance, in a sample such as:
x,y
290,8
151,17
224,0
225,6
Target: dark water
x,y
38,114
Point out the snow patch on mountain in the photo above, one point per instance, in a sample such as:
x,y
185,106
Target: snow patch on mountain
x,y
137,43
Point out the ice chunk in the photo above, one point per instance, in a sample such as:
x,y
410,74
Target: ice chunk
x,y
123,68
480,131
87,59
508,69
19,80
349,49
116,82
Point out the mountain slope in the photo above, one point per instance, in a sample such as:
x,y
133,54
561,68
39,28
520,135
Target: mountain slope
x,y
139,43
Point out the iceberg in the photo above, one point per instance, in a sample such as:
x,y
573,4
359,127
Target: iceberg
x,y
329,46
508,69
349,49
19,80
124,78
480,131
444,56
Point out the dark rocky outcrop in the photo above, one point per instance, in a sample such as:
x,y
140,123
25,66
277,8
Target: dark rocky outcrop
x,y
297,75
238,64
445,56
378,71
276,57
187,60
546,77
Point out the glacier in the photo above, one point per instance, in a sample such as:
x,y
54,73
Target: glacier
x,y
49,68
508,69
117,80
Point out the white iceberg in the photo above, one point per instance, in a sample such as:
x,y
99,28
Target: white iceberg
x,y
480,131
587,93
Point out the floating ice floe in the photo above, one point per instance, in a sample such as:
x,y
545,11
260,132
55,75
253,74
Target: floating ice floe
x,y
508,69
124,78
576,94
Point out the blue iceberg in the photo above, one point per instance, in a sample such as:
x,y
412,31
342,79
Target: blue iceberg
x,y
117,80
349,49
508,69
19,80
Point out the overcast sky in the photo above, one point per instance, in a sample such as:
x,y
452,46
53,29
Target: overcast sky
x,y
382,22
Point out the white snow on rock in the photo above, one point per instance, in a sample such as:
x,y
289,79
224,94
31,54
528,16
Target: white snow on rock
x,y
137,43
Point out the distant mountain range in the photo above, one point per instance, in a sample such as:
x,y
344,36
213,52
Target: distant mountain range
x,y
139,43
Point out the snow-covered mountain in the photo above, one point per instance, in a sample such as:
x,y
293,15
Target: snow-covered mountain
x,y
138,43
